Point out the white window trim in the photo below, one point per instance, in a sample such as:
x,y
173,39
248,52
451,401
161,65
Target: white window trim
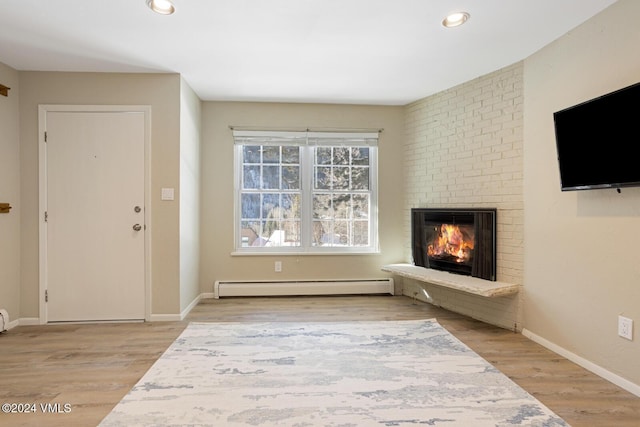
x,y
369,139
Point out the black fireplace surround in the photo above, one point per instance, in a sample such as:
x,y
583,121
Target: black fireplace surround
x,y
458,240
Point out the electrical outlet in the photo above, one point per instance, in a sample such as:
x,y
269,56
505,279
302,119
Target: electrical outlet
x,y
278,266
625,327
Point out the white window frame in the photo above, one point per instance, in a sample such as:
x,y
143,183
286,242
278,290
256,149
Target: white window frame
x,y
307,141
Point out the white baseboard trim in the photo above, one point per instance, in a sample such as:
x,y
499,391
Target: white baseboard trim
x,y
184,313
590,366
190,307
26,321
34,321
165,318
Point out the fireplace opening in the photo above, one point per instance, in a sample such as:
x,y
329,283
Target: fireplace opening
x,y
461,241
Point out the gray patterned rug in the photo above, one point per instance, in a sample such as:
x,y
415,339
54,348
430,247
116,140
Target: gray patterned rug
x,y
388,373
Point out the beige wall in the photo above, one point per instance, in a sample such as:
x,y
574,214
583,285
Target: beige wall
x,y
582,265
10,193
190,113
162,93
217,190
463,149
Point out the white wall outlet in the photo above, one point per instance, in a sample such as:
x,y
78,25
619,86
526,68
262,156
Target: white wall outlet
x,y
278,267
625,327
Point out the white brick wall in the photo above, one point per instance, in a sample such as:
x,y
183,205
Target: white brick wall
x,y
464,148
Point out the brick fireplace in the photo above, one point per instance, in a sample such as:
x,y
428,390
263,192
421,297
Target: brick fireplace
x,y
464,147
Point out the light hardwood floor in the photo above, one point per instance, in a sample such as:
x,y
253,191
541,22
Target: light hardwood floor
x,y
91,367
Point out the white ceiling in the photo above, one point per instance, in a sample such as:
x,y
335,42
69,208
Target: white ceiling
x,y
387,52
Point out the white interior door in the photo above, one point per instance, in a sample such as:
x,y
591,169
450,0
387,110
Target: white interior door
x,y
95,245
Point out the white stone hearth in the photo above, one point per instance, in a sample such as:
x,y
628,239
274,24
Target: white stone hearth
x,y
472,285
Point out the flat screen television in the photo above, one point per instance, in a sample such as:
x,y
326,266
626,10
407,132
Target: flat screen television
x,y
598,140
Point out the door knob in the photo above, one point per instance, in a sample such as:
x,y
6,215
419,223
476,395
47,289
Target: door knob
x,y
137,227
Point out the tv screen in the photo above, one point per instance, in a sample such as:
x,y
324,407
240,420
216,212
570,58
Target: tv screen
x,y
597,141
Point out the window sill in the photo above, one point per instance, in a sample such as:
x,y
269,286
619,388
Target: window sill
x,y
307,253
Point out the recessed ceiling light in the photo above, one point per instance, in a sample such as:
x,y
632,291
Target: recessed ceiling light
x,y
164,7
455,19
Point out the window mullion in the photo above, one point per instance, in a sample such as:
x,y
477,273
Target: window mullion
x,y
306,215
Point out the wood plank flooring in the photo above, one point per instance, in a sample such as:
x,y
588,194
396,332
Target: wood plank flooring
x,y
91,367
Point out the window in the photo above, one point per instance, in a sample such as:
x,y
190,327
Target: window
x,y
306,192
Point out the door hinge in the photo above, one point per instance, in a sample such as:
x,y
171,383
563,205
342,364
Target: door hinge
x,y
46,216
46,295
45,136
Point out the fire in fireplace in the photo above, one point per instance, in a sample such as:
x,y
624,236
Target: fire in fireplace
x,y
451,242
460,241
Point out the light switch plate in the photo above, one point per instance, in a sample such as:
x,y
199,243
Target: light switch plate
x,y
167,194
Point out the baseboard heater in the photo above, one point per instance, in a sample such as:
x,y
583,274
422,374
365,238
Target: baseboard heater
x,y
302,287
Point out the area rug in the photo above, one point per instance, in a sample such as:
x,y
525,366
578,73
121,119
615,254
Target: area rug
x,y
387,373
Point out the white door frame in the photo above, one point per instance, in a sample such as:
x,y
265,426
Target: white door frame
x,y
42,184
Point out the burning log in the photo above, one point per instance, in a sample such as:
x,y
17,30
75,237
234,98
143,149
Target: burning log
x,y
451,241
